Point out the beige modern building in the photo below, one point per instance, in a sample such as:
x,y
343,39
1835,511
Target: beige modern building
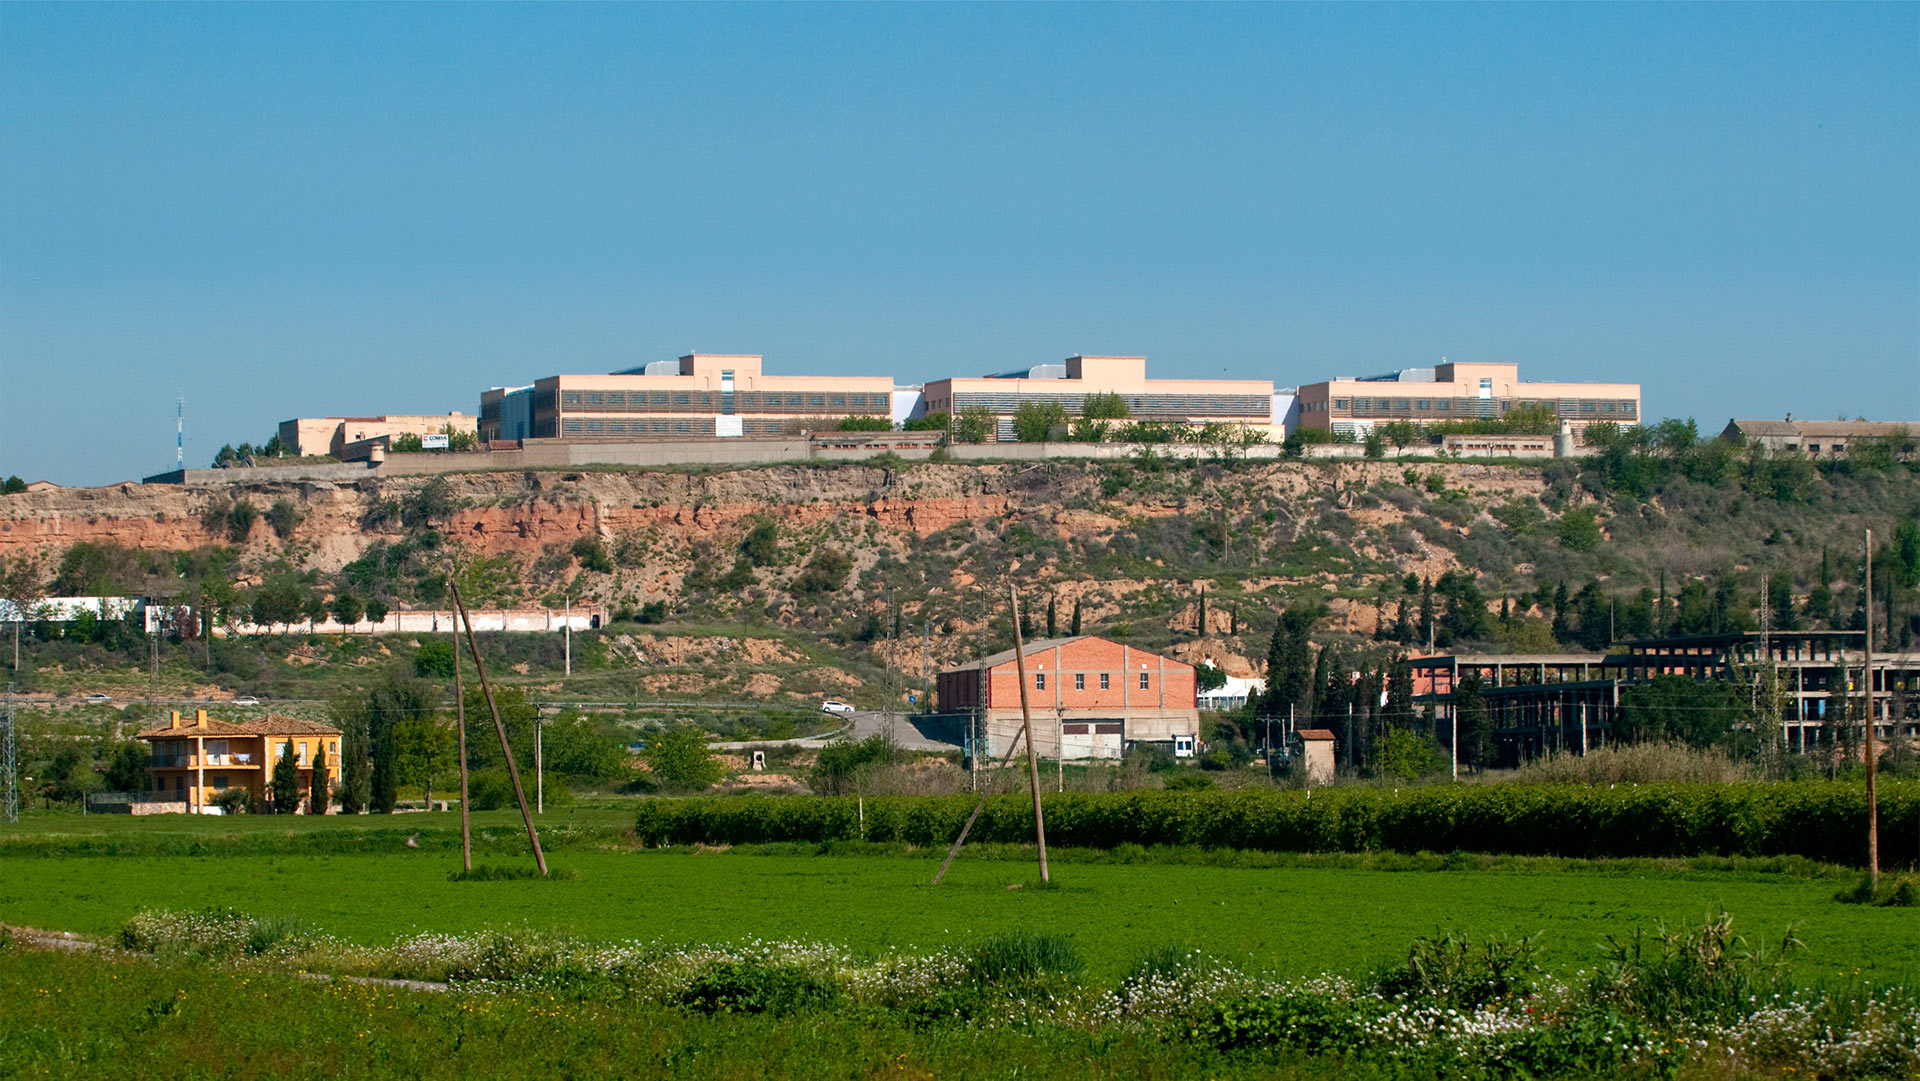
x,y
700,395
1451,391
307,436
1245,402
1823,438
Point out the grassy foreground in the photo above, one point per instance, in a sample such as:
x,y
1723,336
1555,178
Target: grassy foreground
x,y
66,1016
1293,916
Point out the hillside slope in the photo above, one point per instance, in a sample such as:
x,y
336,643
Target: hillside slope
x,y
896,561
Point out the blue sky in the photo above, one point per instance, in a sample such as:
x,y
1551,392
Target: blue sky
x,y
295,209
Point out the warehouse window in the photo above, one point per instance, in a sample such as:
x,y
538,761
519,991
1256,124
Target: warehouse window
x,y
1079,681
1039,681
1103,681
1143,681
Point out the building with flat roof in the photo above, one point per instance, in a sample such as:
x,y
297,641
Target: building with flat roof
x,y
700,395
1452,391
312,436
1822,438
1090,697
1245,402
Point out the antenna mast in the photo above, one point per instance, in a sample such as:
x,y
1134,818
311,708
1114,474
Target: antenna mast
x,y
180,430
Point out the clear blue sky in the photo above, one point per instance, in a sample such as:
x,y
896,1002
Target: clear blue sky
x,y
303,209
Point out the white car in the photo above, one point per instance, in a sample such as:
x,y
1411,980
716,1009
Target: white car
x,y
246,700
832,706
97,698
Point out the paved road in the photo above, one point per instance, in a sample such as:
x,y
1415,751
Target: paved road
x,y
860,725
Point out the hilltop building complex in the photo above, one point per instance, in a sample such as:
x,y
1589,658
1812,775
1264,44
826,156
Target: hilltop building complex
x,y
1242,402
1451,391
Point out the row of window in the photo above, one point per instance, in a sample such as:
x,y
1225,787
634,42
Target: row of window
x,y
636,427
1142,406
1080,681
1474,406
617,401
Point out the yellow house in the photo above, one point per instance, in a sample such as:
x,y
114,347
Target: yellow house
x,y
194,761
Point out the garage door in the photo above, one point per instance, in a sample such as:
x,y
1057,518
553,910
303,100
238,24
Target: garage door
x,y
1092,739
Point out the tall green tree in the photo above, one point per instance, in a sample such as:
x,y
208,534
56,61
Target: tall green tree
x,y
286,781
1399,708
680,761
424,752
318,793
1474,722
1289,664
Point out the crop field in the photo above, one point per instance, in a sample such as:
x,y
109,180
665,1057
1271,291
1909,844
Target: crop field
x,y
357,880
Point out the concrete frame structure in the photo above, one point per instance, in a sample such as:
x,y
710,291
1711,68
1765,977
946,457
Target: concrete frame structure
x,y
1090,697
1822,439
1458,391
1541,703
1249,403
312,436
192,762
702,395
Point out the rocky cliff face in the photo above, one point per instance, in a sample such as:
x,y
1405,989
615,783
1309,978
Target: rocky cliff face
x,y
1110,539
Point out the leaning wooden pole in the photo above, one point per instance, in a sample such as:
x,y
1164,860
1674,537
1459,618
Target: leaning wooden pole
x,y
1026,726
1873,795
460,726
977,806
500,728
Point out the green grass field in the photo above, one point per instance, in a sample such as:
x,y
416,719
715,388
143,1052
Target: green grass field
x,y
355,879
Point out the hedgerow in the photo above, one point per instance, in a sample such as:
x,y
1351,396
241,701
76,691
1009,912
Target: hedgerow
x,y
1823,821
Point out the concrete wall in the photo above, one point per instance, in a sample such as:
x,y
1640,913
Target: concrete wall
x,y
542,454
427,621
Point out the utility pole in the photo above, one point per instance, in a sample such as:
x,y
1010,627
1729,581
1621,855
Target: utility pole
x,y
1866,671
539,766
567,631
1026,726
500,729
460,727
9,761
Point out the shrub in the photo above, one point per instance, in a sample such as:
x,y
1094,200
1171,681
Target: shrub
x,y
1464,973
434,659
234,801
593,555
1699,972
758,987
283,516
1018,957
1290,1018
240,518
1820,820
825,572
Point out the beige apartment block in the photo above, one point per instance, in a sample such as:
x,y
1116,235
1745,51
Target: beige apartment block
x,y
1451,391
1244,402
703,394
307,436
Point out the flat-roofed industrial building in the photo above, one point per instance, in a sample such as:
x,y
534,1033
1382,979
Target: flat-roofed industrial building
x,y
700,395
1249,403
1455,391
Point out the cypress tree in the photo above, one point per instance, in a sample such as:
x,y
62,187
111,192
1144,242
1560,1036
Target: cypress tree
x,y
355,775
286,781
1400,694
1475,724
1201,628
1053,615
317,795
385,779
1076,616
